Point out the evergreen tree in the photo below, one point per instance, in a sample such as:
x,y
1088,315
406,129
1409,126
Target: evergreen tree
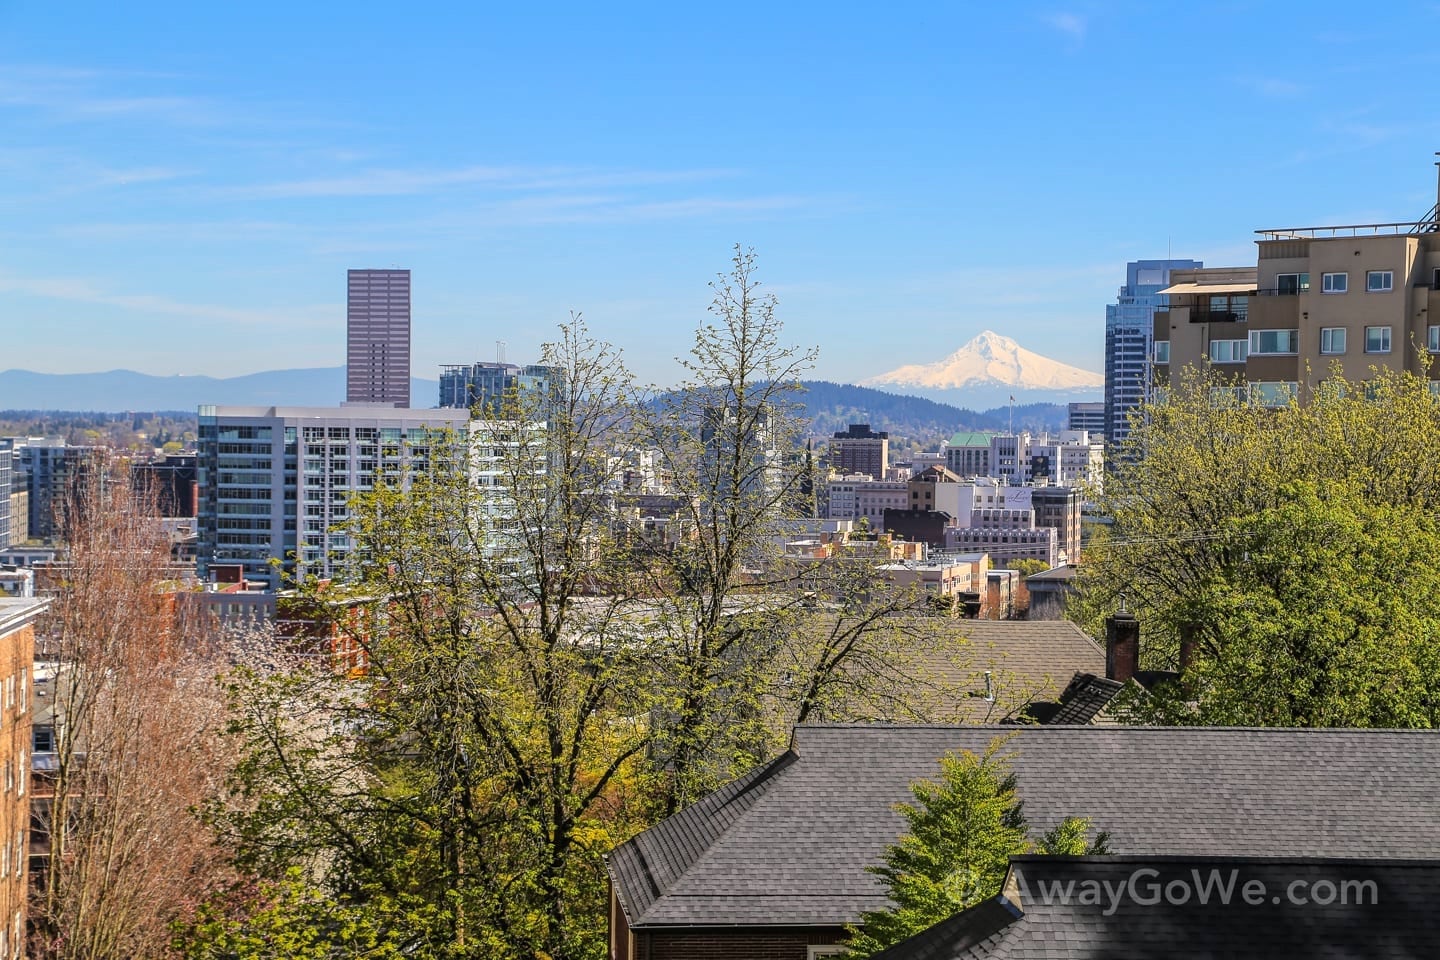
x,y
963,830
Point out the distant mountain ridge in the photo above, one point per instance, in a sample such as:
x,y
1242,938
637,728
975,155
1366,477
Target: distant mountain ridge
x,y
988,369
828,406
118,390
834,406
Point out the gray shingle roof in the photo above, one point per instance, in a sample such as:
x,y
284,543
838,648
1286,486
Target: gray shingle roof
x,y
1029,660
789,844
1393,918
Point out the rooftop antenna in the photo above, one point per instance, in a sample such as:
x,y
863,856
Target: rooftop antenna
x,y
1012,414
500,352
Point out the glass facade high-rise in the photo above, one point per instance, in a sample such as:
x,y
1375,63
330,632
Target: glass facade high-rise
x,y
377,324
482,387
1129,325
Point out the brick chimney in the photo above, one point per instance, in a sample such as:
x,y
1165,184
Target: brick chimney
x,y
1187,646
1122,646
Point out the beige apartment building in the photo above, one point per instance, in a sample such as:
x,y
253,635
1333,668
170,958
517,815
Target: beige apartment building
x,y
1354,298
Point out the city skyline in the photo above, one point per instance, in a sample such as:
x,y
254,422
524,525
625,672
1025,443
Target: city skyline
x,y
176,205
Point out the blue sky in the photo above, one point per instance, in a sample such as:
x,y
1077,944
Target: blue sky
x,y
182,186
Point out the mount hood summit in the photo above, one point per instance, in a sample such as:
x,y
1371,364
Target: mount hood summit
x,y
987,364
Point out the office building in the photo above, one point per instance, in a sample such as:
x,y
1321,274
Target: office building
x,y
483,387
968,454
1074,458
171,482
860,450
1087,416
859,496
50,468
275,481
377,325
7,470
1129,325
1320,299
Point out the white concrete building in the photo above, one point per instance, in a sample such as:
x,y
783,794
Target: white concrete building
x,y
275,481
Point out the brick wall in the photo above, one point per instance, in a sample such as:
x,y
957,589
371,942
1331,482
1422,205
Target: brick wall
x,y
17,654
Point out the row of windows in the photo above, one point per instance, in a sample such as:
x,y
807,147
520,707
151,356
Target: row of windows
x,y
1376,281
1378,339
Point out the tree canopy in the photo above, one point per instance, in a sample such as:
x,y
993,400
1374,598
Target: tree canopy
x,y
1289,556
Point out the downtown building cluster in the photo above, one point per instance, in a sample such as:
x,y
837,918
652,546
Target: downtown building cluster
x,y
1010,496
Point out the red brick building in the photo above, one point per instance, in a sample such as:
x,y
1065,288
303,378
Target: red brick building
x,y
17,658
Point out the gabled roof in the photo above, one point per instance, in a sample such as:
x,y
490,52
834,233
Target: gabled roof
x,y
1302,908
789,844
1029,660
1026,661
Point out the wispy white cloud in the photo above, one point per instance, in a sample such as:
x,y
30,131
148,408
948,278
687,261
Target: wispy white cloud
x,y
1071,24
76,290
138,175
88,95
407,182
618,209
1273,88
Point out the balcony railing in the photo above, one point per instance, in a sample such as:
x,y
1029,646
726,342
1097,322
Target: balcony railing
x,y
1219,316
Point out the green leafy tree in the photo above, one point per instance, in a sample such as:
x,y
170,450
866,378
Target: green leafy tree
x,y
1027,567
490,754
543,680
1289,553
289,919
962,831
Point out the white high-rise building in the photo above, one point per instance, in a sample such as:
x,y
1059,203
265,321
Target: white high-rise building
x,y
275,481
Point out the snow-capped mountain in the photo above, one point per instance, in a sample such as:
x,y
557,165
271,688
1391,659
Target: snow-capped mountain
x,y
987,363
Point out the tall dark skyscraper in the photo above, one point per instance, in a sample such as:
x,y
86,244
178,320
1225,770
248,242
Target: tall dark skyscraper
x,y
377,358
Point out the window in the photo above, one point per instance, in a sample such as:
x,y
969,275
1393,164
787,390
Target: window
x,y
1289,284
1273,394
1377,339
1380,281
1274,341
1335,282
42,739
1228,351
1332,340
1162,351
1227,396
1432,339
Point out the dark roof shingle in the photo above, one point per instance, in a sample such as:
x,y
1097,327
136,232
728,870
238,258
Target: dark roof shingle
x,y
789,844
1145,907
